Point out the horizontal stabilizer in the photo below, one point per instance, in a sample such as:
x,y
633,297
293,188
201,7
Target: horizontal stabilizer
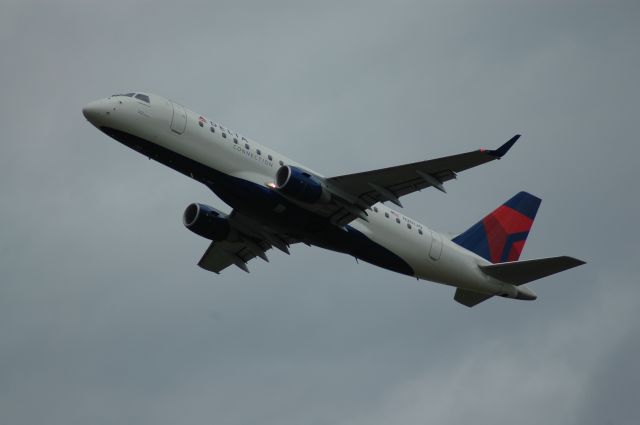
x,y
470,298
521,272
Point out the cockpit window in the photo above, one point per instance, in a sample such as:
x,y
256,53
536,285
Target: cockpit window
x,y
143,97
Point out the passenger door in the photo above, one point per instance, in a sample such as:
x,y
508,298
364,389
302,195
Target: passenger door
x,y
436,246
179,119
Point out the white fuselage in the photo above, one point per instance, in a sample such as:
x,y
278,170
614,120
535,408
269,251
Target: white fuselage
x,y
431,255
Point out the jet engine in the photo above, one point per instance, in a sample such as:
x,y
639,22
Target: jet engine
x,y
207,222
301,185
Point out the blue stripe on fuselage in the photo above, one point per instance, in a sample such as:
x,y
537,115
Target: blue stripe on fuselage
x,y
260,201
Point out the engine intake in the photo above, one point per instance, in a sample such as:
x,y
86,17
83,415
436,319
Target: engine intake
x,y
207,222
301,185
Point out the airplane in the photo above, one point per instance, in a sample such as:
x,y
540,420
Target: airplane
x,y
277,202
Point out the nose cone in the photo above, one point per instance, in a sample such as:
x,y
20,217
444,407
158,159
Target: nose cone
x,y
95,111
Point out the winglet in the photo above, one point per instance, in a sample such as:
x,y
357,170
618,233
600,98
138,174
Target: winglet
x,y
502,150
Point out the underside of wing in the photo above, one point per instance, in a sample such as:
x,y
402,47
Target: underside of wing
x,y
221,255
250,240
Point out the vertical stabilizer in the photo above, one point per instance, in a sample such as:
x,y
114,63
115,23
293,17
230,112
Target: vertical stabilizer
x,y
501,235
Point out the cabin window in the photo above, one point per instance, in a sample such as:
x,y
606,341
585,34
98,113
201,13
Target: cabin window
x,y
420,231
246,145
270,157
375,209
398,220
213,130
258,152
235,140
224,135
408,226
281,163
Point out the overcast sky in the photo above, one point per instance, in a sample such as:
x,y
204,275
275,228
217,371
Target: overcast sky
x,y
106,319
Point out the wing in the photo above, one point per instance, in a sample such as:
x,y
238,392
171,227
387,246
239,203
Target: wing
x,y
221,255
251,240
361,190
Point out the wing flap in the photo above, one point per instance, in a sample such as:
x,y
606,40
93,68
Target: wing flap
x,y
221,255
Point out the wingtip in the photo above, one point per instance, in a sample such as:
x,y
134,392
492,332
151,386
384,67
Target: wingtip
x,y
502,150
576,261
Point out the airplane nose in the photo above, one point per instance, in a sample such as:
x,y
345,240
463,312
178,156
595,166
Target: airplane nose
x,y
94,111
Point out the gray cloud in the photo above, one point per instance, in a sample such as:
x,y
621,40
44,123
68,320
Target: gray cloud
x,y
105,318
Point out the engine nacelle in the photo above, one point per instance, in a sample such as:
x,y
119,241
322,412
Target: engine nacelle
x,y
207,222
301,185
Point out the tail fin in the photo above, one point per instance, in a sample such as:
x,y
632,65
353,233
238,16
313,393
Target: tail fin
x,y
500,236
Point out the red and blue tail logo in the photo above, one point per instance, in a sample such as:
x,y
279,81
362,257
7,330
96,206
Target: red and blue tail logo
x,y
500,236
